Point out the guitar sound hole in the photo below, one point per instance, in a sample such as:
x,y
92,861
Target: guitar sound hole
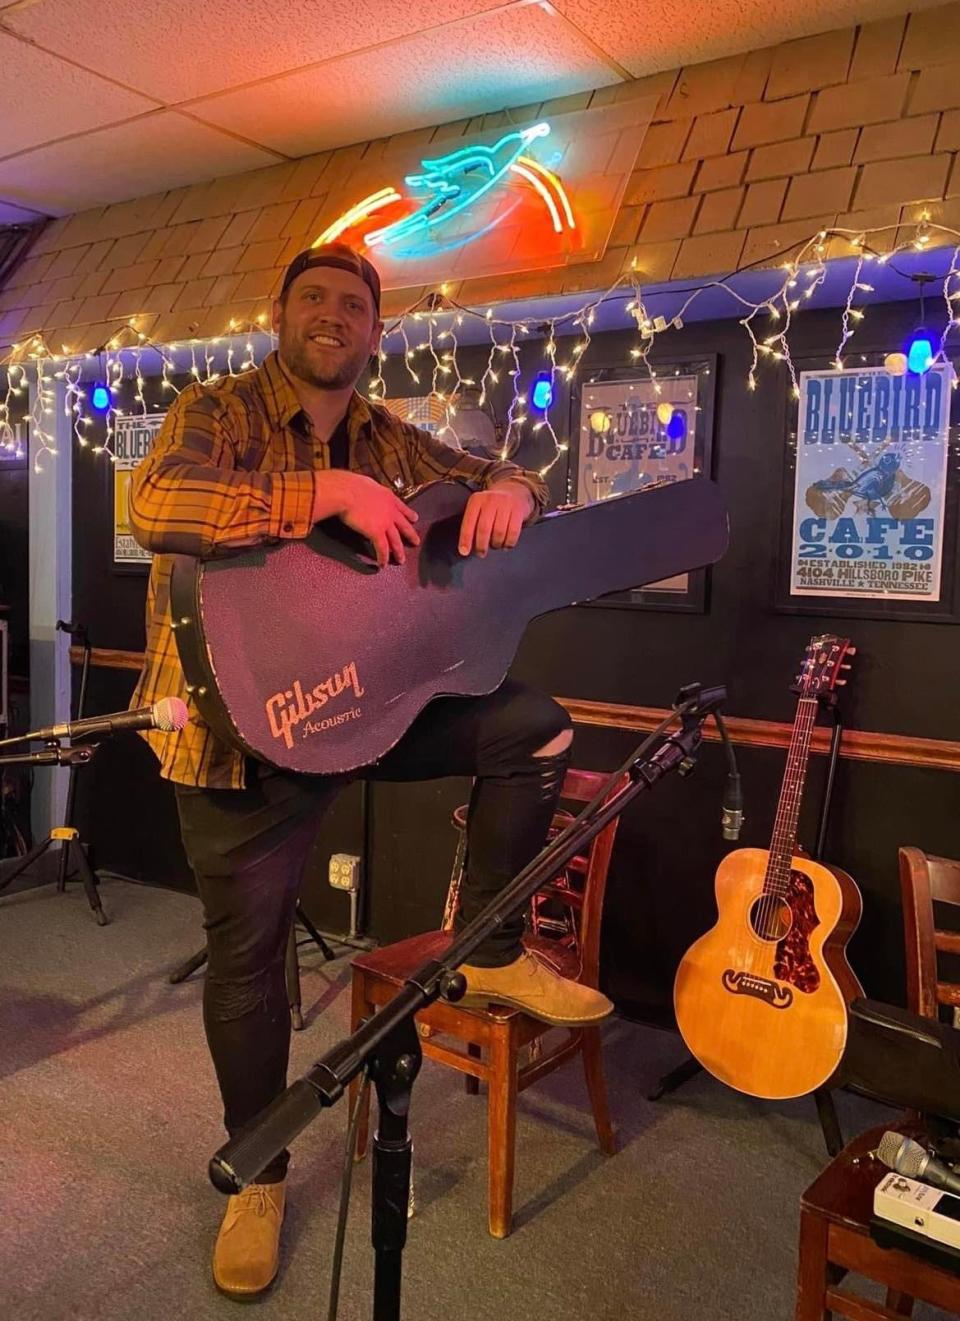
x,y
770,918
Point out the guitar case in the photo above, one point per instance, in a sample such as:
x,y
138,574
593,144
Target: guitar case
x,y
902,1059
306,655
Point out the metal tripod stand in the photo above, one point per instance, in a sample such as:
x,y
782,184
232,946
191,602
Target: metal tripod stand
x,y
353,939
66,836
72,854
183,970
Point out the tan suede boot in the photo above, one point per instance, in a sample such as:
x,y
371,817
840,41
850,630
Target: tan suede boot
x,y
538,990
247,1252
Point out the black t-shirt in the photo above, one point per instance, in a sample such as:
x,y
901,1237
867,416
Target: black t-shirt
x,y
340,445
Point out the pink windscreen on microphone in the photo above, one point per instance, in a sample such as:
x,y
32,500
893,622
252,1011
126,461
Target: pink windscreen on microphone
x,y
170,714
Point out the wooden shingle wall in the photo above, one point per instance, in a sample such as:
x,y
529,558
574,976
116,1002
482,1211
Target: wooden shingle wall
x,y
745,156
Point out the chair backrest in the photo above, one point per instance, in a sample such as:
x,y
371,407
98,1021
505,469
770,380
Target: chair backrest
x,y
580,787
925,879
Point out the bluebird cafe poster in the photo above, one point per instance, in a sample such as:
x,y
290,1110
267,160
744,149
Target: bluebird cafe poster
x,y
131,441
632,437
870,484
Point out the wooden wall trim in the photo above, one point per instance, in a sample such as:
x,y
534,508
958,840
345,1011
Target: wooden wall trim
x,y
106,659
857,745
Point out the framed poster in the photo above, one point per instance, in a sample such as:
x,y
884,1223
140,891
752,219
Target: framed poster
x,y
869,520
424,411
632,432
132,438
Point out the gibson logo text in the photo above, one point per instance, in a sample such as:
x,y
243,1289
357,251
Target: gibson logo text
x,y
287,709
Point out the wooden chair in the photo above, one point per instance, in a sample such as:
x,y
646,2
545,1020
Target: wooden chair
x,y
835,1210
488,1042
924,880
835,1239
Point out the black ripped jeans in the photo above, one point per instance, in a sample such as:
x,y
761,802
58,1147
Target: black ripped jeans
x,y
248,847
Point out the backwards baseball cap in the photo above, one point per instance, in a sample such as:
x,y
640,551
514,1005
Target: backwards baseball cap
x,y
339,255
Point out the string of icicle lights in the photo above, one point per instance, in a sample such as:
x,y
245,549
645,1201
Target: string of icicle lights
x,y
431,349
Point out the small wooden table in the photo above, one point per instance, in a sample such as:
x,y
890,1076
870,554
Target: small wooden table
x,y
835,1238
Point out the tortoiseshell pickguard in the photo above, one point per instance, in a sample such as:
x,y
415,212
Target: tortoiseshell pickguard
x,y
793,962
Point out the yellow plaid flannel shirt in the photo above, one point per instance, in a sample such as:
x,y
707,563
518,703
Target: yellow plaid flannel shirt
x,y
233,466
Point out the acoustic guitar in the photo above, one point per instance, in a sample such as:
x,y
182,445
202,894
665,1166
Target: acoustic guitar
x,y
761,999
305,655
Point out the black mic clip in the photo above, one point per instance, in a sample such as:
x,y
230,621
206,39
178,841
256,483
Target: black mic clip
x,y
693,704
75,629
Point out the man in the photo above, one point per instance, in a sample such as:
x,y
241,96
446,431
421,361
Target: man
x,y
262,457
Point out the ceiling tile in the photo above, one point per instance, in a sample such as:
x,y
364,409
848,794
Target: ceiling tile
x,y
41,98
163,150
515,57
175,51
646,36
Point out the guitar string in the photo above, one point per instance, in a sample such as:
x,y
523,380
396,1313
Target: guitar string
x,y
789,800
765,906
787,820
777,879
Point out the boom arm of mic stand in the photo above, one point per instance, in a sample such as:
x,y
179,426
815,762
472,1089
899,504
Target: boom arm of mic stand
x,y
55,756
239,1161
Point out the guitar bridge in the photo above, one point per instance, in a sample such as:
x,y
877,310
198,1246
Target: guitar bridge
x,y
748,983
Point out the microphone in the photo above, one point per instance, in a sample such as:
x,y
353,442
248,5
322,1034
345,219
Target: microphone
x,y
915,1162
169,714
732,814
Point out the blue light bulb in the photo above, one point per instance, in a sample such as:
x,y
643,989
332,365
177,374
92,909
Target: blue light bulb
x,y
677,426
920,352
542,393
100,399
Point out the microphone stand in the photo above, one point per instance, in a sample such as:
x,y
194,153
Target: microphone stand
x,y
67,837
78,631
387,1046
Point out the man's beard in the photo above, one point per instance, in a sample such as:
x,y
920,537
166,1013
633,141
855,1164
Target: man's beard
x,y
295,355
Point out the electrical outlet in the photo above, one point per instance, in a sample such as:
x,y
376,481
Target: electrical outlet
x,y
344,872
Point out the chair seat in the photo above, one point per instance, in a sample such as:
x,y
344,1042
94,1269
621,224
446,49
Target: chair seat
x,y
397,962
835,1239
561,818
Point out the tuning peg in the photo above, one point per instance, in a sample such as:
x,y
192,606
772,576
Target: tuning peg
x,y
851,651
846,667
841,682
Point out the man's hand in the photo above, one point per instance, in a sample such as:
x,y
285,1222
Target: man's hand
x,y
368,508
495,517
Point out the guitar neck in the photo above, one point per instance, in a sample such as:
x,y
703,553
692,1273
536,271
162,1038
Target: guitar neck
x,y
784,842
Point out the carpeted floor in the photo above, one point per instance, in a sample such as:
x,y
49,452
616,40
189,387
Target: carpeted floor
x,y
108,1114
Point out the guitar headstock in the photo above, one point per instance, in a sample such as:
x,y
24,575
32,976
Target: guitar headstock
x,y
824,663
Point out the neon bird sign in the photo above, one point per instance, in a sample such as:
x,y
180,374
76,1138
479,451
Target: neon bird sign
x,y
456,199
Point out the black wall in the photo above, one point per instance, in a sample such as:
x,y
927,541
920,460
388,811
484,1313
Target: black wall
x,y
669,845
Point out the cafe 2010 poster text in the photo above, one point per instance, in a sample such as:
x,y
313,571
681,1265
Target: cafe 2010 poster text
x,y
870,484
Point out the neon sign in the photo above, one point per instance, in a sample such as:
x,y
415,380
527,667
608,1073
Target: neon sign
x,y
456,199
